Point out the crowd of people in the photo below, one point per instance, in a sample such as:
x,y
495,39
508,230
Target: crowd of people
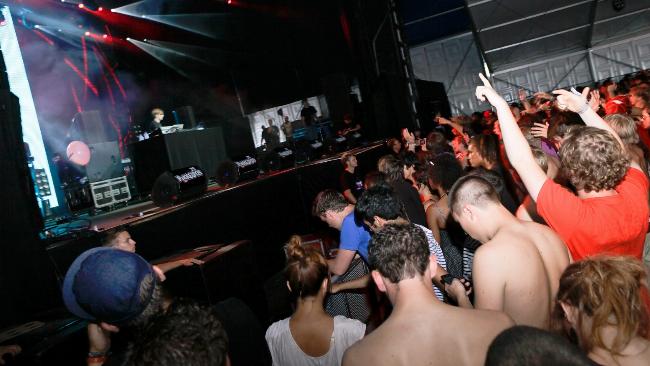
x,y
516,236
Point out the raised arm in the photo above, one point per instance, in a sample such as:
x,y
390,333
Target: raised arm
x,y
456,126
517,148
577,103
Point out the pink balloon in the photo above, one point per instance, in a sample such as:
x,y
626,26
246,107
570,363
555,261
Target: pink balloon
x,y
78,153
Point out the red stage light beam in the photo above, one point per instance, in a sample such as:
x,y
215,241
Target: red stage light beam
x,y
76,98
108,87
45,38
74,68
85,58
100,56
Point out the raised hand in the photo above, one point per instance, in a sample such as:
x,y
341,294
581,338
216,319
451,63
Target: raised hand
x,y
408,136
594,102
574,102
539,130
487,93
443,121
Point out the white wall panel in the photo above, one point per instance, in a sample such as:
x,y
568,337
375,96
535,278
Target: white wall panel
x,y
611,60
455,63
439,60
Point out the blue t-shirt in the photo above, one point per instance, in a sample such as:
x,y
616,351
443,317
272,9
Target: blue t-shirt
x,y
354,237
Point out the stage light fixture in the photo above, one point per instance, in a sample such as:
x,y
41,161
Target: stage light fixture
x,y
100,9
105,36
87,33
81,6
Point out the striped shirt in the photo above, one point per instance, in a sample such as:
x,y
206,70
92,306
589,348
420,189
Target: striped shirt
x,y
434,249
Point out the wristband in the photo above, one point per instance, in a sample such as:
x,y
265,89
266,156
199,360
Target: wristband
x,y
584,108
97,354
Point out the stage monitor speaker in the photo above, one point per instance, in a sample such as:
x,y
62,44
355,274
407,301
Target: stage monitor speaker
x,y
279,158
230,172
105,162
185,116
90,128
179,185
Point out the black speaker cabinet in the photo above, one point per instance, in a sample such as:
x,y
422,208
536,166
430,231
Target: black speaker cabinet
x,y
90,128
20,213
105,161
433,101
27,283
228,271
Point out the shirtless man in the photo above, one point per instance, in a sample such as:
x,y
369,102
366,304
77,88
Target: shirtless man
x,y
517,268
420,329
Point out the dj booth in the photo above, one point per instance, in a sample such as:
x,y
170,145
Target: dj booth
x,y
203,148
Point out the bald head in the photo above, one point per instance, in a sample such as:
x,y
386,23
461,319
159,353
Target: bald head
x,y
471,190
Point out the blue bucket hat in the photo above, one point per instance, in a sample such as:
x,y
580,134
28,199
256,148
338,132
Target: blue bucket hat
x,y
104,284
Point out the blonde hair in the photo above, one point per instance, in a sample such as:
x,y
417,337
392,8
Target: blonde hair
x,y
156,111
625,128
346,157
540,158
608,290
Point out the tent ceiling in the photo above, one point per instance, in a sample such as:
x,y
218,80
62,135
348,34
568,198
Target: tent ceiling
x,y
427,20
515,32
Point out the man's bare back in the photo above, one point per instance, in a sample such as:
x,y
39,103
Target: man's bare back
x,y
429,333
518,272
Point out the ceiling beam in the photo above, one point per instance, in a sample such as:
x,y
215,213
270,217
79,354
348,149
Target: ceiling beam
x,y
529,17
477,39
537,38
434,15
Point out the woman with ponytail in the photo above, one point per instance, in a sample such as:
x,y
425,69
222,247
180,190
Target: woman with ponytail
x,y
310,336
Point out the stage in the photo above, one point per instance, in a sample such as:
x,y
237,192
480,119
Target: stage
x,y
266,210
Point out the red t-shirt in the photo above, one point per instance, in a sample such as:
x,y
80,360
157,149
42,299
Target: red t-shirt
x,y
601,225
644,135
619,104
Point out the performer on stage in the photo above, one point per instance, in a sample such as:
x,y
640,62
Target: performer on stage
x,y
271,135
157,114
308,113
349,127
287,128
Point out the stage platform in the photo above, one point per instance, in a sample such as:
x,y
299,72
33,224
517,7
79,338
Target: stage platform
x,y
266,211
